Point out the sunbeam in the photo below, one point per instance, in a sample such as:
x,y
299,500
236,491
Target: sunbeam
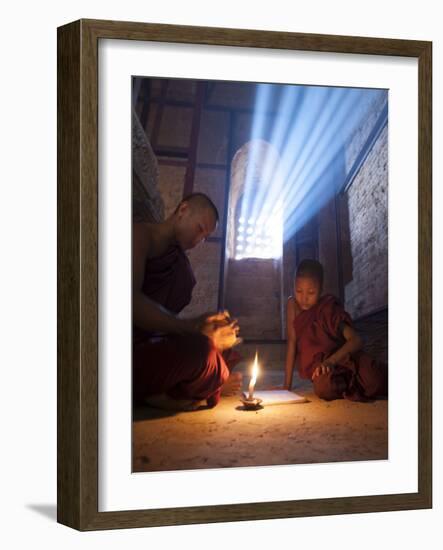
x,y
309,132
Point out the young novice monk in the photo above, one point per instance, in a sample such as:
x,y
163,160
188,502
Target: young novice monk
x,y
326,347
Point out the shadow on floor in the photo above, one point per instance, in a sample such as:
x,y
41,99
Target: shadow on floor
x,y
49,511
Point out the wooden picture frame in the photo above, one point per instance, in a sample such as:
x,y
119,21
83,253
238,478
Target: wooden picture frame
x,y
77,456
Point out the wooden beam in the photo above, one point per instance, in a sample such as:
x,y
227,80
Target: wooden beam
x,y
193,146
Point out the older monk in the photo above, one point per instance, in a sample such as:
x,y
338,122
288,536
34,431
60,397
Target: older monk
x,y
178,363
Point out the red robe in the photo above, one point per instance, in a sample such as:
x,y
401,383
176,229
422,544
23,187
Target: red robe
x,y
181,366
319,333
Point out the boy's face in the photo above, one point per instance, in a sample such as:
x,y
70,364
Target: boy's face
x,y
306,291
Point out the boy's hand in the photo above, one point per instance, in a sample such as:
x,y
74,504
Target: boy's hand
x,y
323,368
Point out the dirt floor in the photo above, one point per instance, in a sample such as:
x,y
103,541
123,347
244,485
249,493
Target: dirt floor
x,y
228,436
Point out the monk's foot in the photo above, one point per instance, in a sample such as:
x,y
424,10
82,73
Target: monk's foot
x,y
233,384
165,402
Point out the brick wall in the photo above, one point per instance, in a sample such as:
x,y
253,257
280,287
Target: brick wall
x,y
367,203
371,113
212,181
205,261
171,183
253,297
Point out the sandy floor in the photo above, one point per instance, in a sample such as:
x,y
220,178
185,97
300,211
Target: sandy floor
x,y
228,436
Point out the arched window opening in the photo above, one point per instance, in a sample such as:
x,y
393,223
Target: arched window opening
x,y
258,236
255,213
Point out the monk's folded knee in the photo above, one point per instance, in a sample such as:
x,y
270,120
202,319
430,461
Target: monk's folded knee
x,y
329,386
198,349
322,387
202,370
201,360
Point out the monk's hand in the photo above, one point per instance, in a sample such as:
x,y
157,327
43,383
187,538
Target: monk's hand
x,y
205,322
224,336
222,316
220,328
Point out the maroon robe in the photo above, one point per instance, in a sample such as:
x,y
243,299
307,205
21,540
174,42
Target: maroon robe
x,y
169,281
319,333
181,366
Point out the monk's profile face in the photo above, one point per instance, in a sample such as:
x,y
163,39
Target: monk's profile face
x,y
194,223
306,291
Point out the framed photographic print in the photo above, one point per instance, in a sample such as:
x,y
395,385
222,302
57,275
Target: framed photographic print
x,y
244,274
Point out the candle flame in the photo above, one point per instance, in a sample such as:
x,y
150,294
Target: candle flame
x,y
253,377
254,370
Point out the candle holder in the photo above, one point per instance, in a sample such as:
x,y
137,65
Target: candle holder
x,y
251,403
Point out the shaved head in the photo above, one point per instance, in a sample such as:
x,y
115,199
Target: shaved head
x,y
200,201
310,269
194,219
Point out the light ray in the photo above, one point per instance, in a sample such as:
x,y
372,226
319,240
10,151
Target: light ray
x,y
311,129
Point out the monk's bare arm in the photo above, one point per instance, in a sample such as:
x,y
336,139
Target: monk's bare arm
x,y
291,343
147,314
353,343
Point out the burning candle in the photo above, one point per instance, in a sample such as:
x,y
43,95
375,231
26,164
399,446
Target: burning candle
x,y
253,377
